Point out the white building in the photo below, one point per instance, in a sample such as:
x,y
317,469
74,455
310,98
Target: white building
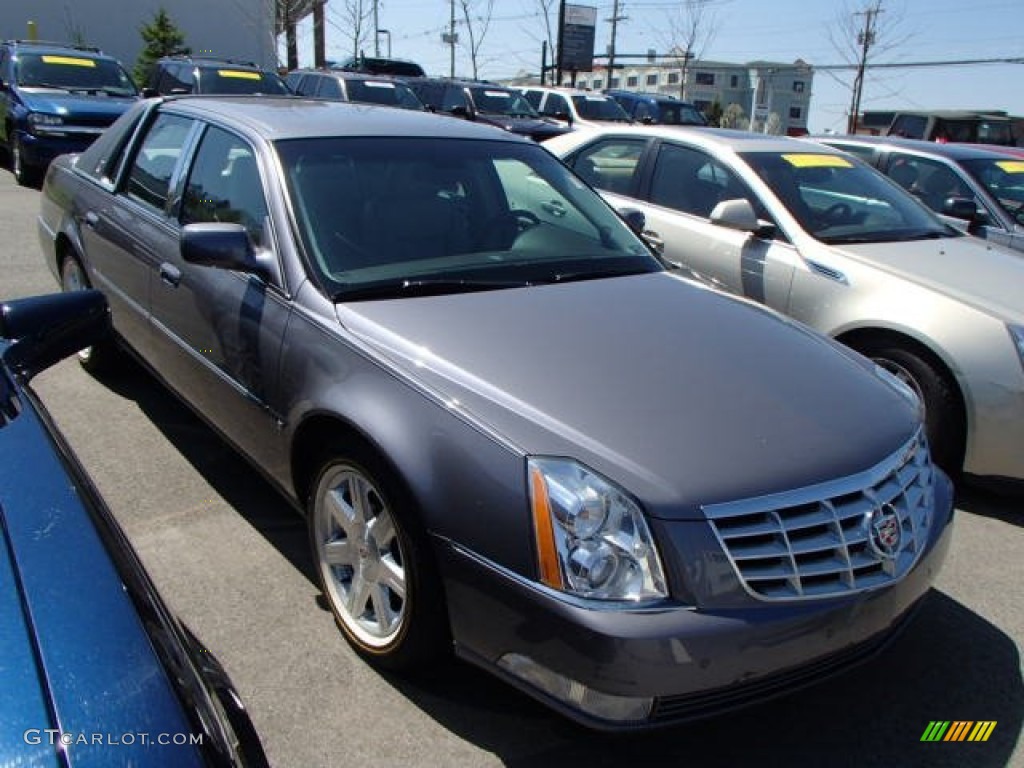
x,y
239,29
761,88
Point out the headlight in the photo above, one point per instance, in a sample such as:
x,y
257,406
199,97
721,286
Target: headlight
x,y
1017,334
41,121
592,539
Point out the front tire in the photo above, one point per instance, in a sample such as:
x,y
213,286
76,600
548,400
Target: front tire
x,y
374,563
945,422
24,173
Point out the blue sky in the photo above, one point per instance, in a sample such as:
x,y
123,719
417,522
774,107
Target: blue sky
x,y
746,30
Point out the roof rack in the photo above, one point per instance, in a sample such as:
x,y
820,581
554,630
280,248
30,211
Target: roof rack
x,y
57,44
224,59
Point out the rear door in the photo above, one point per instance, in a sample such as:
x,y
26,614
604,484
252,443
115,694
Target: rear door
x,y
124,234
219,331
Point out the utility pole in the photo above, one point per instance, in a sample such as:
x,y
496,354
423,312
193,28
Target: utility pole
x,y
615,19
376,30
452,38
865,38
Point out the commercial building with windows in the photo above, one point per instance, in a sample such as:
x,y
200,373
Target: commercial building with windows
x,y
775,97
240,29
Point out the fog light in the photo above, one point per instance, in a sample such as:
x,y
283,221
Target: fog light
x,y
605,706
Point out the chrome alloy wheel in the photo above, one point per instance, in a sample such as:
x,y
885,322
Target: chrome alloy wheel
x,y
361,557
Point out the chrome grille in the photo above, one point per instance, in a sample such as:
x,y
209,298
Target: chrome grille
x,y
836,538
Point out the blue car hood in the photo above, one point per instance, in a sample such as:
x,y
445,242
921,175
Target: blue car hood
x,y
74,104
71,642
678,393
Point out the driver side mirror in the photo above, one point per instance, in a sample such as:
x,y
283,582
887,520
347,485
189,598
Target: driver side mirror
x,y
963,208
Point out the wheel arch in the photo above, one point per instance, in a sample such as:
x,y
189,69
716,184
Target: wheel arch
x,y
859,338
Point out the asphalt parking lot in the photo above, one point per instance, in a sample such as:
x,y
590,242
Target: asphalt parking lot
x,y
231,559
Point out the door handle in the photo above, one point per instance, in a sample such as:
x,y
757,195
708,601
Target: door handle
x,y
654,240
91,219
555,208
170,274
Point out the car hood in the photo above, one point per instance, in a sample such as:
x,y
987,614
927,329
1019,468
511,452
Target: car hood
x,y
678,393
76,105
969,269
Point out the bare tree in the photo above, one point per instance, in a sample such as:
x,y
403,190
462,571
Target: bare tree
x,y
547,10
691,28
476,15
860,35
352,19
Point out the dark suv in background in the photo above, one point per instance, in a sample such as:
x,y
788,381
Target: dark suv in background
x,y
195,74
56,98
484,102
658,108
341,85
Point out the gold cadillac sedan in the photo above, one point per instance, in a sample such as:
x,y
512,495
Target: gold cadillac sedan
x,y
824,238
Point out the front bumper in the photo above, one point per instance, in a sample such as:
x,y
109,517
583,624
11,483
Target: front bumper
x,y
39,150
691,662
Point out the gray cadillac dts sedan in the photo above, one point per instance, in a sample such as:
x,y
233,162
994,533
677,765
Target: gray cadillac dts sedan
x,y
514,433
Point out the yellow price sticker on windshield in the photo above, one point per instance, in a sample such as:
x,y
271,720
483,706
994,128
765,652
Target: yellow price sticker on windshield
x,y
239,73
817,161
1011,166
70,61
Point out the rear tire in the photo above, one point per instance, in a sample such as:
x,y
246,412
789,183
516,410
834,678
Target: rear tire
x,y
374,563
104,356
944,418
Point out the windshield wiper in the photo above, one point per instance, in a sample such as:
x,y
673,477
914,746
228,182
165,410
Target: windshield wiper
x,y
51,86
430,287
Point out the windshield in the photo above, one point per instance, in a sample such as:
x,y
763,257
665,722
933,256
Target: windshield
x,y
499,102
839,199
594,107
383,92
398,215
73,73
230,80
1004,180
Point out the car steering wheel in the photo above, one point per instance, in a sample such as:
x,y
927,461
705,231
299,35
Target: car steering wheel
x,y
836,213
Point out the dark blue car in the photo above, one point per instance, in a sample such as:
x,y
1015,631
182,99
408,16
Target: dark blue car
x,y
55,99
95,669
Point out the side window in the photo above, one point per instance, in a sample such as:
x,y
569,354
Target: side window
x,y
453,97
533,97
149,178
933,182
175,80
691,181
329,88
610,165
101,159
224,185
556,104
911,126
293,80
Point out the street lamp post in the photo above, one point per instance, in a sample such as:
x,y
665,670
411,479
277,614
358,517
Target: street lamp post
x,y
386,33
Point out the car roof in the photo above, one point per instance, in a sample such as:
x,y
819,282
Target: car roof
x,y
729,138
43,46
293,117
347,74
952,150
214,61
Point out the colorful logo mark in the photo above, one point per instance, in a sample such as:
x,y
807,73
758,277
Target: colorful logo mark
x,y
958,730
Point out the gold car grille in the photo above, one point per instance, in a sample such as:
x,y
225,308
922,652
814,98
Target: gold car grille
x,y
858,533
